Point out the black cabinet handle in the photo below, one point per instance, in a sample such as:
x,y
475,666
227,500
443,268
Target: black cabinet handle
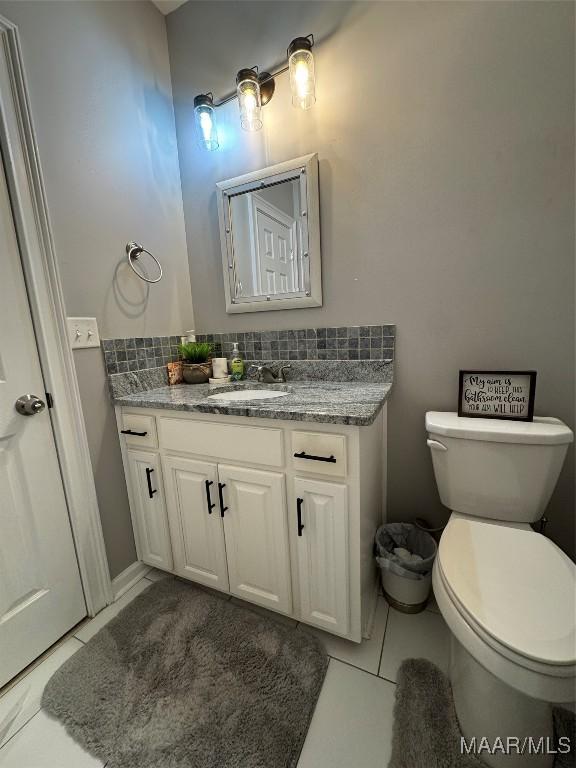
x,y
149,481
299,503
208,499
131,432
304,455
223,509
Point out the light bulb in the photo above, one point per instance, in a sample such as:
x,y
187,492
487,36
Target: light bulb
x,y
206,125
250,105
205,122
249,100
302,79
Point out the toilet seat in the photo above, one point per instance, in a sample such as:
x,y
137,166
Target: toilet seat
x,y
494,584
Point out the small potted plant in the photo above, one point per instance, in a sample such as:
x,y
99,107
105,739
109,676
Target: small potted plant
x,y
196,366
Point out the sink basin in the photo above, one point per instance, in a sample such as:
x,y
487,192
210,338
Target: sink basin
x,y
248,394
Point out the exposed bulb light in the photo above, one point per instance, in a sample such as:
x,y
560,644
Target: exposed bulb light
x,y
254,90
301,66
249,99
205,121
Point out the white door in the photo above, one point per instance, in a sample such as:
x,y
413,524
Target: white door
x,y
256,533
196,521
41,594
321,532
275,250
149,509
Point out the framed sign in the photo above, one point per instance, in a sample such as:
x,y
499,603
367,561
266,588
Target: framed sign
x,y
497,394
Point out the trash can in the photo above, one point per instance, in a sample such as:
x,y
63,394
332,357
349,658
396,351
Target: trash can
x,y
405,554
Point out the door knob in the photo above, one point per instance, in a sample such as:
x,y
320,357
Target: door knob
x,y
28,405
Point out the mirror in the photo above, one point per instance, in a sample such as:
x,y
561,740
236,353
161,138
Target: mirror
x,y
267,247
270,237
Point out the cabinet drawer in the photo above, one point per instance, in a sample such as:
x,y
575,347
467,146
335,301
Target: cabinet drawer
x,y
138,429
320,453
255,445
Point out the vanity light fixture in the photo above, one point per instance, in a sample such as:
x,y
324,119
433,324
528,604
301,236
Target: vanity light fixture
x,y
205,121
301,66
255,89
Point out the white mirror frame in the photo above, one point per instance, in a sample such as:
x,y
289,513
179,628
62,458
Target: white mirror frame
x,y
307,168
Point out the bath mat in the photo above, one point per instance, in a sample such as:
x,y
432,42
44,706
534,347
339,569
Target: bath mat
x,y
426,732
183,678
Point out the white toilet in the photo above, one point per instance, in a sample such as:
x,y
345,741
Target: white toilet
x,y
507,593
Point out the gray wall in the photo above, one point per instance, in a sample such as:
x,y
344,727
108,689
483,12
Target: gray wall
x,y
100,92
445,133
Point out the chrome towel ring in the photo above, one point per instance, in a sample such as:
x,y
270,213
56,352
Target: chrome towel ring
x,y
134,251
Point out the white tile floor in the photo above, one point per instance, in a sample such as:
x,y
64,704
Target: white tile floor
x,y
352,723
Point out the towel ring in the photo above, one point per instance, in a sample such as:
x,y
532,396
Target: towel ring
x,y
134,250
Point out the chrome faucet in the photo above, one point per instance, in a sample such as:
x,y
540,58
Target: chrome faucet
x,y
266,375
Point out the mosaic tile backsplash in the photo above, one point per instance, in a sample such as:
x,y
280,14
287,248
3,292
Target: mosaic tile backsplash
x,y
366,342
137,354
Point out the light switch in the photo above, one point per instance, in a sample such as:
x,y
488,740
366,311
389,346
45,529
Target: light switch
x,y
83,332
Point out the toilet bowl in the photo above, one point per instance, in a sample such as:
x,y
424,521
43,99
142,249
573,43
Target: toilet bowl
x,y
505,591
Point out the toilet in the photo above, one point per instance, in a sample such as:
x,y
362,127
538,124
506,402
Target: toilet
x,y
507,593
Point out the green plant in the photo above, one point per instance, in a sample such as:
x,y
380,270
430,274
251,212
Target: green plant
x,y
195,351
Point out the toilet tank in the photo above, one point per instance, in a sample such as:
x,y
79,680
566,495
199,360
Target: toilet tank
x,y
491,468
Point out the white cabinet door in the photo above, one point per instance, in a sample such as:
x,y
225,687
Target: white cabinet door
x,y
320,522
195,521
149,509
256,531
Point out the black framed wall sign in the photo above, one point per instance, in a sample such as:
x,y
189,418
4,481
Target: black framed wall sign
x,y
497,394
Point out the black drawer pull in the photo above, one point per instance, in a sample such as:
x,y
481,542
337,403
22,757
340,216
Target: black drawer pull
x,y
223,509
211,506
131,432
299,503
149,481
304,455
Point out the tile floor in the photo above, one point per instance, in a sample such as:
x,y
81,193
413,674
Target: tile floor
x,y
352,723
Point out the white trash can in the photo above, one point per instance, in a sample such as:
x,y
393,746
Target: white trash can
x,y
405,554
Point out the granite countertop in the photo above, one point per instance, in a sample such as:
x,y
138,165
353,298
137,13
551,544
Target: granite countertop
x,y
329,402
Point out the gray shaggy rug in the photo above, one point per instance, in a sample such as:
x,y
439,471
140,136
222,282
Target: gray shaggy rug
x,y
183,678
426,733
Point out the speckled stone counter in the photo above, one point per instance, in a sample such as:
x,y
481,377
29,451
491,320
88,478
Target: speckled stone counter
x,y
329,402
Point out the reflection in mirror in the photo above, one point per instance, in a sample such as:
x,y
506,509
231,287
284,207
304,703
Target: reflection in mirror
x,y
267,241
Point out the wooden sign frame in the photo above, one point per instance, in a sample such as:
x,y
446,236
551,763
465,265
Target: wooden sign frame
x,y
496,402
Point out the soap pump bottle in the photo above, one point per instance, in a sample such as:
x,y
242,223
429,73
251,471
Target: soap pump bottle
x,y
236,363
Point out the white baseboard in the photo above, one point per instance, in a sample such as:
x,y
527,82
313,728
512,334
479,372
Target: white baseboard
x,y
128,577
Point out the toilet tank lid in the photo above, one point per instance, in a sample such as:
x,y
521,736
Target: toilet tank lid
x,y
544,430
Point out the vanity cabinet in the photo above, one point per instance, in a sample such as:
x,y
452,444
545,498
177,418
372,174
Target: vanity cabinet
x,y
281,514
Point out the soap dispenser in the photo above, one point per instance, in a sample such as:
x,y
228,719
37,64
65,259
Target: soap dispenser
x,y
236,363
